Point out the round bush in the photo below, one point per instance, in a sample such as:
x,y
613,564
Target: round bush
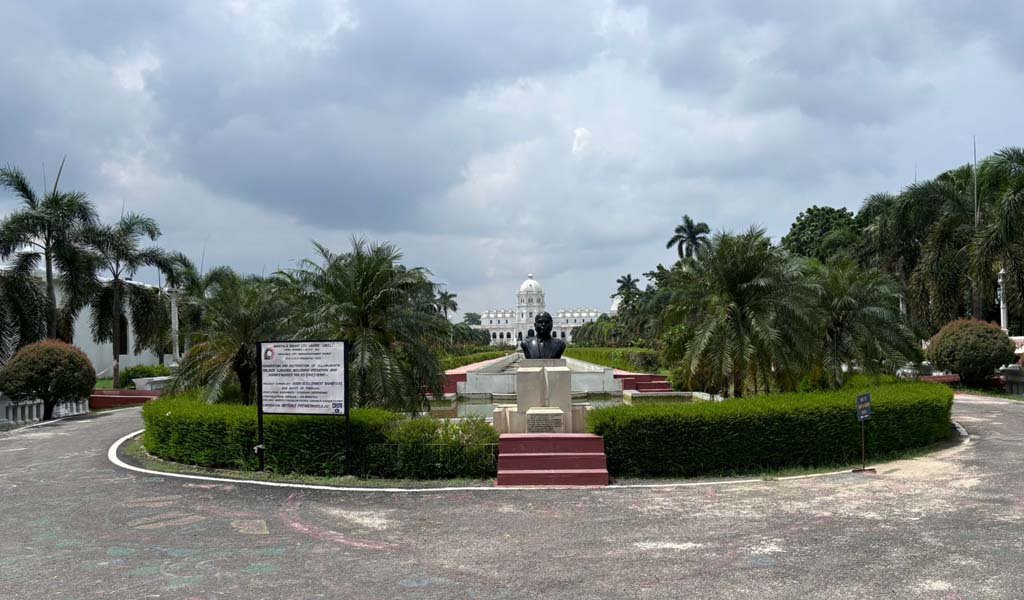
x,y
769,432
51,371
971,349
376,443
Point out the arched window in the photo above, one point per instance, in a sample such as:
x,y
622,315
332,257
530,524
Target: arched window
x,y
519,336
531,313
530,333
563,335
494,336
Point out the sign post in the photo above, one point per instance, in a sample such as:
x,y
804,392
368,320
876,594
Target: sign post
x,y
863,414
301,378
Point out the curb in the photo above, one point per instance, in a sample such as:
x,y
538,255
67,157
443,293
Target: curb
x,y
113,458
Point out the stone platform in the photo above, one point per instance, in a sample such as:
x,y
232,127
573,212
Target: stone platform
x,y
552,459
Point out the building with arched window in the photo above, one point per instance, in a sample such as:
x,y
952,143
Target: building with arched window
x,y
509,326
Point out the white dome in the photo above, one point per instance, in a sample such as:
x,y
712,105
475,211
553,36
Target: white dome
x,y
530,285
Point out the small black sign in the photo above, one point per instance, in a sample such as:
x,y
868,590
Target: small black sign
x,y
864,407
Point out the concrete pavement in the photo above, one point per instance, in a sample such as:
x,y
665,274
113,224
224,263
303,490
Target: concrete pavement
x,y
949,525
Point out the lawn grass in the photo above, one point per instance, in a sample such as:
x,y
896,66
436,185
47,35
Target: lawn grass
x,y
107,383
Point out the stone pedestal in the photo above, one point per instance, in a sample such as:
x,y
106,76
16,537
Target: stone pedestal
x,y
542,390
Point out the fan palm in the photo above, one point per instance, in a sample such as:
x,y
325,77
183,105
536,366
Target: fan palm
x,y
747,311
45,230
237,313
860,322
117,255
365,296
689,238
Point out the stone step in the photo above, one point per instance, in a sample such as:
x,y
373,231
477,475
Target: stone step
x,y
538,443
554,477
653,386
536,461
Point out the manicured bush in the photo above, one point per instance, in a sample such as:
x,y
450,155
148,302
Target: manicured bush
x,y
378,443
971,349
638,360
454,362
770,432
140,371
51,371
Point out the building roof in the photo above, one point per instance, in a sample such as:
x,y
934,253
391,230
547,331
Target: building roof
x,y
530,285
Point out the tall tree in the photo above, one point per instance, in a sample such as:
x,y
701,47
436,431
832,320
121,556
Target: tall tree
x,y
820,232
46,230
118,255
22,311
446,302
471,318
689,238
748,313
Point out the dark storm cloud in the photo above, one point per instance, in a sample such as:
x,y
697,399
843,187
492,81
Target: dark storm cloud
x,y
477,134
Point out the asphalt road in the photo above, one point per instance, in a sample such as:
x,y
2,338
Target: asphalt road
x,y
950,525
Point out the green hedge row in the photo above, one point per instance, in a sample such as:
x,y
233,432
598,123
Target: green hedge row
x,y
770,432
376,443
637,360
140,371
454,362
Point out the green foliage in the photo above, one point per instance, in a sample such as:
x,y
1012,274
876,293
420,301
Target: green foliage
x,y
454,362
22,312
377,443
637,360
770,432
464,335
471,318
51,371
971,349
821,232
140,371
689,238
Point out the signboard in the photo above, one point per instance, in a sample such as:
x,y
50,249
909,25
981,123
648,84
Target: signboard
x,y
864,407
303,378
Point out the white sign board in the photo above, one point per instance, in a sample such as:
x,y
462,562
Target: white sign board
x,y
303,378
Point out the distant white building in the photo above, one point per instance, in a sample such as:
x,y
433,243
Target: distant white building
x,y
509,326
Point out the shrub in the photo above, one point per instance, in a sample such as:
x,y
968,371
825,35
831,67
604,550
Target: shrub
x,y
790,430
454,362
971,349
51,371
641,360
140,371
376,443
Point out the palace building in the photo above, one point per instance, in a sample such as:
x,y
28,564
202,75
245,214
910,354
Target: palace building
x,y
509,326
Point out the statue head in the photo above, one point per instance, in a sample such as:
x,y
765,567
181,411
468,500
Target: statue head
x,y
543,323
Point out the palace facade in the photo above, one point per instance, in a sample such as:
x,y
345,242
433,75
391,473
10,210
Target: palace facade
x,y
509,326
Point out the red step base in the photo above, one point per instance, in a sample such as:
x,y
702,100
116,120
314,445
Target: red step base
x,y
552,459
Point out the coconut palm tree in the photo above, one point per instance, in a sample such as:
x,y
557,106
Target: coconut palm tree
x,y
237,313
748,313
45,229
117,256
367,297
446,302
860,322
689,238
22,311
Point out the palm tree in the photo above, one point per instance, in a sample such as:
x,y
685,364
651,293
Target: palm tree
x,y
689,238
860,321
446,302
237,313
117,255
746,307
45,229
22,312
1000,241
367,297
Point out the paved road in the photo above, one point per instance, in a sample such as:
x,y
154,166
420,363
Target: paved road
x,y
947,526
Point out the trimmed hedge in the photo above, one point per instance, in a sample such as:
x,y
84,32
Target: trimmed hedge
x,y
140,371
639,360
454,362
378,443
971,349
770,432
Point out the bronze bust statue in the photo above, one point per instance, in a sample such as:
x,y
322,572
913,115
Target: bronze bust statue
x,y
542,345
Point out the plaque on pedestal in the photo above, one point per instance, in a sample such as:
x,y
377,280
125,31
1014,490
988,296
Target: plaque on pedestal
x,y
545,419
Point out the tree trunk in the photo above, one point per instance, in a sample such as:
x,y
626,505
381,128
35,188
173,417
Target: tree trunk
x,y
737,383
245,382
116,334
48,410
977,309
51,300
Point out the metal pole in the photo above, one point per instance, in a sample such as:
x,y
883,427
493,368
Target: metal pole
x,y
863,448
260,451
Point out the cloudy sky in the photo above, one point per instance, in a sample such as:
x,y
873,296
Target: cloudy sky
x,y
491,139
